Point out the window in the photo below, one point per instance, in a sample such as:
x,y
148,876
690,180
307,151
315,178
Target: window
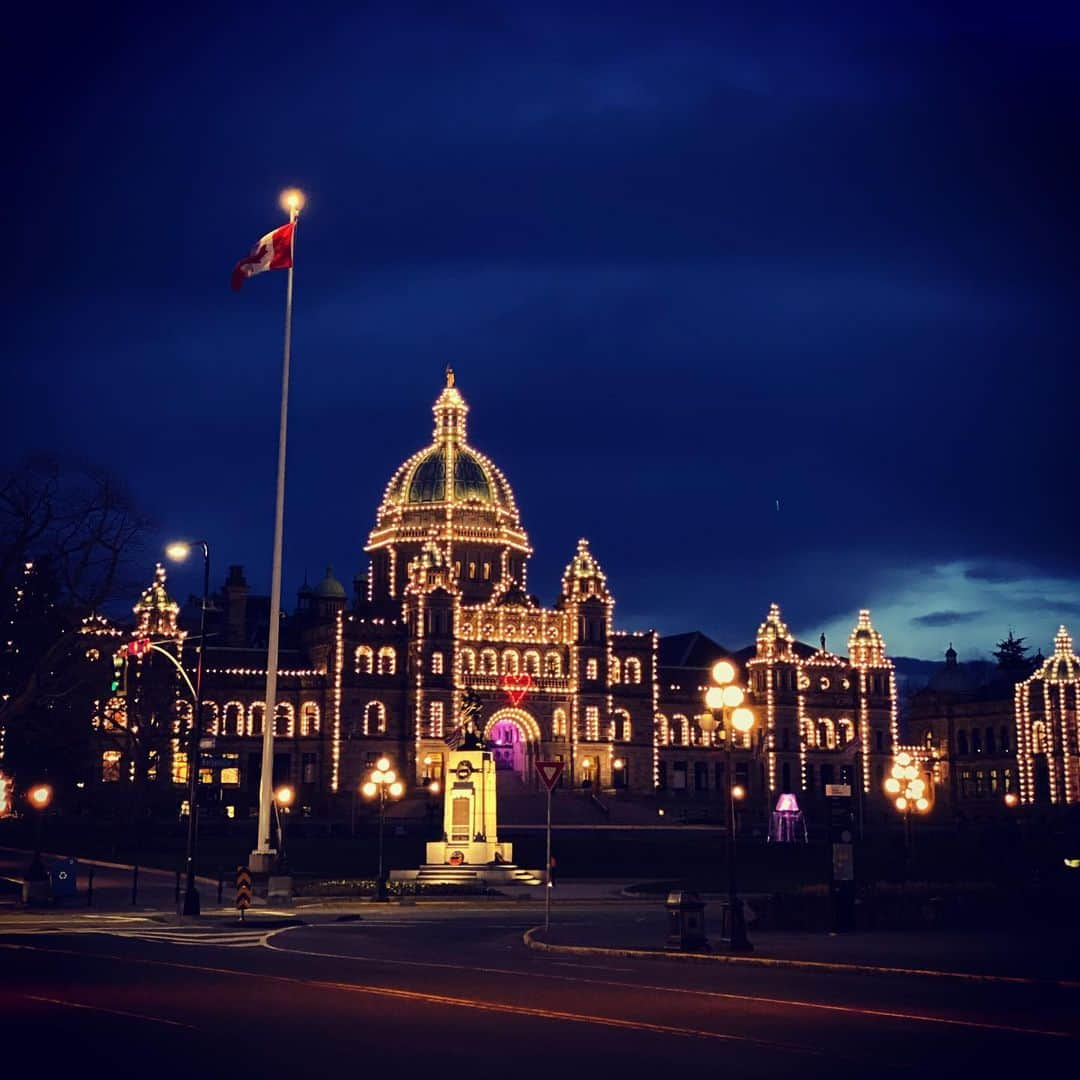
x,y
553,665
365,660
989,740
436,663
309,718
592,723
592,668
622,725
209,718
961,742
701,776
510,662
256,713
468,661
234,719
976,741
632,670
718,775
230,770
472,571
558,724
680,732
742,777
785,777
374,718
387,661
661,776
785,739
663,730
179,767
532,662
489,662
435,719
1004,740
284,719
487,571
879,741
678,776
616,671
110,767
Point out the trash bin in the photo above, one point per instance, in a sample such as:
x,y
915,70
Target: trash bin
x,y
63,878
686,922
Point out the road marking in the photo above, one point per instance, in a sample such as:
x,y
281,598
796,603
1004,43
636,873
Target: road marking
x,y
114,1012
186,936
601,967
879,1014
445,1000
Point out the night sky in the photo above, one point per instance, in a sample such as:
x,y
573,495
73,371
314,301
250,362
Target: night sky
x,y
771,306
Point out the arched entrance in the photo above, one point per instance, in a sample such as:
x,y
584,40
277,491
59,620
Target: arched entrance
x,y
512,736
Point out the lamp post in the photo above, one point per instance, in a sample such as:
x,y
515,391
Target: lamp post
x,y
39,797
726,710
382,783
178,551
910,793
283,799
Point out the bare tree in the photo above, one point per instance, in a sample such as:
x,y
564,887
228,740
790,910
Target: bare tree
x,y
79,529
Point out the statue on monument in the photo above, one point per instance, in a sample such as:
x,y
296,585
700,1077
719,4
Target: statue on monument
x,y
467,735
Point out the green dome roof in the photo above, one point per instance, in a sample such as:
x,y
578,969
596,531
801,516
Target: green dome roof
x,y
428,481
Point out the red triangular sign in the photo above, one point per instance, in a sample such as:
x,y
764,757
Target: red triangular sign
x,y
550,771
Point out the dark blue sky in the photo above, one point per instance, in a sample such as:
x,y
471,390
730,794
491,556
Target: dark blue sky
x,y
685,264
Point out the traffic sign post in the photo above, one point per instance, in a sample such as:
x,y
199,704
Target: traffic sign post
x,y
243,889
549,771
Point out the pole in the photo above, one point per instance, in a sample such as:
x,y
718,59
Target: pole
x,y
192,905
380,891
737,940
262,853
547,876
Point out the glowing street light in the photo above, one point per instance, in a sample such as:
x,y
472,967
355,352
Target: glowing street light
x,y
292,200
179,551
382,784
283,800
39,797
725,702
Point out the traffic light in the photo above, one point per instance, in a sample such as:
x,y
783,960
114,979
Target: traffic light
x,y
119,678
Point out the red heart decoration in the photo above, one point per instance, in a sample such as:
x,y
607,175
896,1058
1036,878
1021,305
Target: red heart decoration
x,y
516,687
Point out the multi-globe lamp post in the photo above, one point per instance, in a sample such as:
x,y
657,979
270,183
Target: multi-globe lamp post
x,y
382,784
909,792
726,710
178,551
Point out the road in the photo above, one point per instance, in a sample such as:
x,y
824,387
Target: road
x,y
440,988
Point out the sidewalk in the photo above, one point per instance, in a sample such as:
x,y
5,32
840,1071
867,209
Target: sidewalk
x,y
1046,956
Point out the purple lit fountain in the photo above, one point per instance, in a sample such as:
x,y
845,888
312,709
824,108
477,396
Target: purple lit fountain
x,y
787,825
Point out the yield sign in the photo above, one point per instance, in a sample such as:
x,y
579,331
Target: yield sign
x,y
550,771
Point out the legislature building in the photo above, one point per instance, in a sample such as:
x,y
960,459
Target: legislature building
x,y
445,611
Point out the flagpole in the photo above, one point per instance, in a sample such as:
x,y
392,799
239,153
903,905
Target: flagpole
x,y
264,856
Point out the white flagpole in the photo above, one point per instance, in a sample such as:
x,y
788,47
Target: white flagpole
x,y
264,856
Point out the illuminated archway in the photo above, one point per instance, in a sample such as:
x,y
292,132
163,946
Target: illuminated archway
x,y
512,735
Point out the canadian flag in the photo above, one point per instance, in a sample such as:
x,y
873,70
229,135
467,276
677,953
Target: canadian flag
x,y
272,252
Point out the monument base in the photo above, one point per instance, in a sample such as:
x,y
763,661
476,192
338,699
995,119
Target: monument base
x,y
475,853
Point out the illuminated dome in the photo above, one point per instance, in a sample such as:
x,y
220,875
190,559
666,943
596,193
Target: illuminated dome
x,y
330,588
451,494
773,636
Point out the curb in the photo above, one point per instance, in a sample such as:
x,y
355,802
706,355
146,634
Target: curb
x,y
531,941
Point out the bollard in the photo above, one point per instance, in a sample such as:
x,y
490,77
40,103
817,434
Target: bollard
x,y
177,898
134,885
220,884
90,887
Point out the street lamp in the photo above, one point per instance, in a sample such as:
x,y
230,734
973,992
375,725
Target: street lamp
x,y
726,709
39,797
382,784
283,799
910,794
178,551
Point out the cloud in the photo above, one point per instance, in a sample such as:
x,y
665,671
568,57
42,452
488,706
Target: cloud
x,y
946,618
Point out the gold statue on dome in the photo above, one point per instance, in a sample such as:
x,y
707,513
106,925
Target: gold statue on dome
x,y
449,375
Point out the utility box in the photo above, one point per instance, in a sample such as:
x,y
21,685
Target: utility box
x,y
63,879
686,922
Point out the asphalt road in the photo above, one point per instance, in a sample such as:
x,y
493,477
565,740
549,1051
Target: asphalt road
x,y
437,988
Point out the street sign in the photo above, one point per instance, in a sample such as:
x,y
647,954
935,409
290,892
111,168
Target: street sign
x,y
243,889
550,771
838,791
207,742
